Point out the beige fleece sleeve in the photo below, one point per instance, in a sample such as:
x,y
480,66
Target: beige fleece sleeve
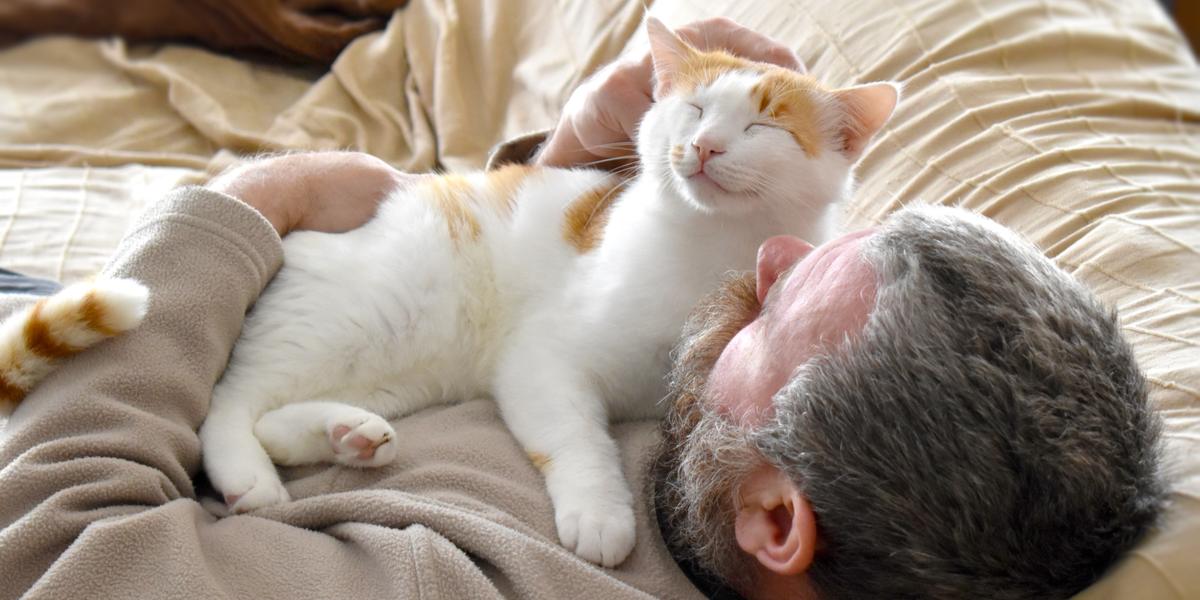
x,y
96,465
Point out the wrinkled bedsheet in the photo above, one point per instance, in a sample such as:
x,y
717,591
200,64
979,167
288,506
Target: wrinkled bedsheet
x,y
1076,123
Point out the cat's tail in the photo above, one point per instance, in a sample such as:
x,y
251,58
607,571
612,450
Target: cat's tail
x,y
33,340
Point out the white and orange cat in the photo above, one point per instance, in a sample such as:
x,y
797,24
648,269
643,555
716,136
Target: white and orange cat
x,y
559,292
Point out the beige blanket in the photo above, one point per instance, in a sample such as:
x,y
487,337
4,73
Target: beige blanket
x,y
1075,122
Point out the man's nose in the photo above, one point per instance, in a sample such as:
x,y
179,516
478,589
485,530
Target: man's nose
x,y
707,147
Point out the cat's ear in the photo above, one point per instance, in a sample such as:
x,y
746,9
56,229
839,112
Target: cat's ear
x,y
867,107
669,53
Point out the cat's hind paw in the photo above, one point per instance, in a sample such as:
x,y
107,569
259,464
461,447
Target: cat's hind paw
x,y
265,492
368,441
597,531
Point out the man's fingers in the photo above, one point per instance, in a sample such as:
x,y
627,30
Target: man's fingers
x,y
725,34
627,95
752,44
563,149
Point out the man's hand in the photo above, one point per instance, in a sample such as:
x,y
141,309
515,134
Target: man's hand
x,y
320,191
601,115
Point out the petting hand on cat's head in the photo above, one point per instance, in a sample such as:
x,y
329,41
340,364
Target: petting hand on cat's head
x,y
319,191
598,122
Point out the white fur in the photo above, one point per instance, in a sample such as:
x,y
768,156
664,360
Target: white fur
x,y
396,316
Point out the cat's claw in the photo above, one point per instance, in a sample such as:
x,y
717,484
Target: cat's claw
x,y
366,442
600,532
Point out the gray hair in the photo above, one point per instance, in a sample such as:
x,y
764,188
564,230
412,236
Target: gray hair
x,y
988,434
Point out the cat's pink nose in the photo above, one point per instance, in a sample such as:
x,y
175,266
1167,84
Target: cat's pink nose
x,y
706,148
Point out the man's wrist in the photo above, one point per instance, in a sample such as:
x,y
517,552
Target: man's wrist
x,y
275,212
274,187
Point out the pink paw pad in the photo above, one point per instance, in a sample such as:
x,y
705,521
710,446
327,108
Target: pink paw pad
x,y
365,446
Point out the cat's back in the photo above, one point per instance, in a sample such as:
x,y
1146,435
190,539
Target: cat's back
x,y
437,277
517,219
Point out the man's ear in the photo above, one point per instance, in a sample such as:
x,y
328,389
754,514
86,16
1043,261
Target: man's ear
x,y
867,108
775,523
669,54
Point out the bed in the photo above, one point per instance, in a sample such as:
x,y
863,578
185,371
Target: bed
x,y
1076,123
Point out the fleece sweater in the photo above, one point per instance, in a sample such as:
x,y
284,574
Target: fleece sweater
x,y
100,479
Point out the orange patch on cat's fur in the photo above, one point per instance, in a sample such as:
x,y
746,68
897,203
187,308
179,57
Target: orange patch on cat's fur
x,y
10,395
583,223
452,194
539,460
95,315
703,68
504,183
786,97
39,339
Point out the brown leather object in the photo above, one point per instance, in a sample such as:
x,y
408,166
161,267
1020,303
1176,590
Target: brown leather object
x,y
297,30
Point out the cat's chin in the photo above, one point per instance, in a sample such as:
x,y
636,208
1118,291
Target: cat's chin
x,y
709,198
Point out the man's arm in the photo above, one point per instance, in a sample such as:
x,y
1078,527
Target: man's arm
x,y
96,465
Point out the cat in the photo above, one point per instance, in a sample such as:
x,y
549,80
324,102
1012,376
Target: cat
x,y
35,339
558,292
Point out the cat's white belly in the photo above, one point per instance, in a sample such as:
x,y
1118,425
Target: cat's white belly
x,y
388,322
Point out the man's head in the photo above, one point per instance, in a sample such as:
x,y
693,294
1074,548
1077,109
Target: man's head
x,y
929,409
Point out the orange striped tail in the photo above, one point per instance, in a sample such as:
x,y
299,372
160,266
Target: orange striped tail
x,y
34,340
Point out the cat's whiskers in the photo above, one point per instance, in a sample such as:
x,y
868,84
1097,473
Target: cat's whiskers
x,y
759,184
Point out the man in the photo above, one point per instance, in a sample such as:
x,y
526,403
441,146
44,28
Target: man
x,y
927,410
894,461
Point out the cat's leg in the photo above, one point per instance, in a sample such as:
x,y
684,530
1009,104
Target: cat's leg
x,y
558,416
324,431
234,460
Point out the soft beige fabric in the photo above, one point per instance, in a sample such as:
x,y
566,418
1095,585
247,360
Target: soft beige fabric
x,y
1077,122
96,496
62,223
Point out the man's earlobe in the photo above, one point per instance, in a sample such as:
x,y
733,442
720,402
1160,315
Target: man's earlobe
x,y
775,523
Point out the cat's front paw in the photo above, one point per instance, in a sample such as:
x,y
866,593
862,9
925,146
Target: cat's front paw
x,y
266,491
368,441
598,530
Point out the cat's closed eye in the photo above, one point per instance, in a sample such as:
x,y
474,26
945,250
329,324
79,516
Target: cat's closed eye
x,y
699,109
757,126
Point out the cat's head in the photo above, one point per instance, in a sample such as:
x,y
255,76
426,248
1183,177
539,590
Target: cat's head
x,y
733,136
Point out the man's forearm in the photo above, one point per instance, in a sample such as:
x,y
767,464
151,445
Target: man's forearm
x,y
111,434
